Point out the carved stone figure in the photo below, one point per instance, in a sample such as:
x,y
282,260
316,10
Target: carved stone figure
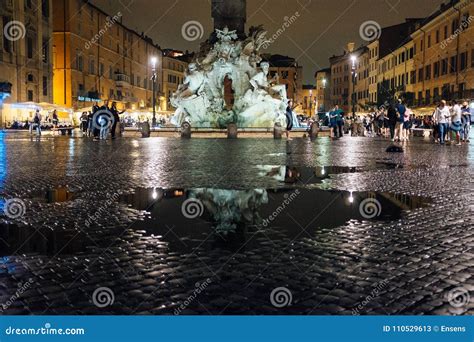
x,y
258,101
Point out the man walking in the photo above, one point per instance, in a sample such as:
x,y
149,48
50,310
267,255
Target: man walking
x,y
441,119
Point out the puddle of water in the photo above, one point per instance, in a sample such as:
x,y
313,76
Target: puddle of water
x,y
233,215
316,175
207,218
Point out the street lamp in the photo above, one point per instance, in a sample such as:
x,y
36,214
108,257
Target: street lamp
x,y
153,79
353,72
324,94
310,101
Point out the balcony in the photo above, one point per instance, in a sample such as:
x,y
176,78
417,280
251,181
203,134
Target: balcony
x,y
122,80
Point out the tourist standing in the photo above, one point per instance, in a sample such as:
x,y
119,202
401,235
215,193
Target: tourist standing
x,y
456,124
90,126
407,123
466,122
392,120
55,120
84,122
37,121
115,114
401,110
441,119
289,119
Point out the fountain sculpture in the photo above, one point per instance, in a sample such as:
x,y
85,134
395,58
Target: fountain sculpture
x,y
258,101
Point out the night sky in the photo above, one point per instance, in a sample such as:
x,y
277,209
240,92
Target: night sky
x,y
323,28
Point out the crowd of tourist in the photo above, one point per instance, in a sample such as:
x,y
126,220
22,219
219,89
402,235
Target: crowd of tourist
x,y
101,122
448,123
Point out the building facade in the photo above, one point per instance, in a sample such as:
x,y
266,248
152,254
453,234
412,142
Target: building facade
x,y
174,70
444,55
323,90
96,58
343,86
289,73
25,55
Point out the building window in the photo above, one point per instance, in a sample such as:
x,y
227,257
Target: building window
x,y
101,69
463,61
444,66
45,50
29,47
30,95
420,74
436,69
429,40
472,58
79,62
453,65
428,72
437,36
30,78
45,86
91,66
111,72
454,26
45,8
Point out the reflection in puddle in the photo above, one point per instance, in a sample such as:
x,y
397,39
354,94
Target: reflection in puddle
x,y
285,211
57,195
315,175
208,218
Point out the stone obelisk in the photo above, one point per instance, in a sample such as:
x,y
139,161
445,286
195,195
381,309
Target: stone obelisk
x,y
230,13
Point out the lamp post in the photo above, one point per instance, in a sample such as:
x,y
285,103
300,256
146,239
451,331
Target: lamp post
x,y
353,72
324,94
310,102
153,79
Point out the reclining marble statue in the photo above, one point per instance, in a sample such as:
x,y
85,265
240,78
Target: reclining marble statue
x,y
258,101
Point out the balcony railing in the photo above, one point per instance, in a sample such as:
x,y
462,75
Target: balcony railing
x,y
122,80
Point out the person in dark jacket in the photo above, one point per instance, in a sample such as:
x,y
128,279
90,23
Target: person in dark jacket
x,y
289,119
392,120
116,116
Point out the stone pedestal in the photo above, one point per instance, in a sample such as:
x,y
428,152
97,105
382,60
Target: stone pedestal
x,y
145,130
314,130
232,131
277,131
186,130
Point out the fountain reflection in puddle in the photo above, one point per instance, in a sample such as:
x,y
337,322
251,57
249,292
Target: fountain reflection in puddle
x,y
187,218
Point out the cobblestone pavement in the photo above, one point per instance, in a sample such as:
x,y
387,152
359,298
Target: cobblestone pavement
x,y
86,251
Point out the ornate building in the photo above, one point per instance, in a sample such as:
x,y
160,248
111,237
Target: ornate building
x,y
25,54
97,58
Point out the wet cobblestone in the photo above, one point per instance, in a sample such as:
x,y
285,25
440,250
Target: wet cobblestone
x,y
413,262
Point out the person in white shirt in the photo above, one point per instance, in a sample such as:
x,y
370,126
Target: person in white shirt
x,y
441,119
456,124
